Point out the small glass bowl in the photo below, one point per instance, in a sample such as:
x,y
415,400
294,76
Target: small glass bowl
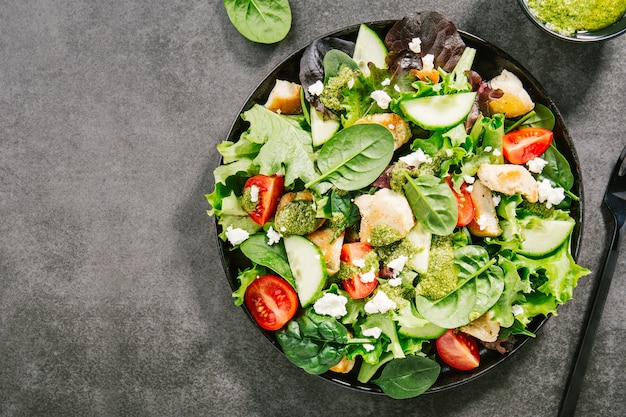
x,y
616,29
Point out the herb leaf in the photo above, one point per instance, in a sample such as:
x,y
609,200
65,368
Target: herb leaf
x,y
433,203
262,21
408,377
355,156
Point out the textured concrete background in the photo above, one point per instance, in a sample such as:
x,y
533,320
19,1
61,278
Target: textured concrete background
x,y
112,297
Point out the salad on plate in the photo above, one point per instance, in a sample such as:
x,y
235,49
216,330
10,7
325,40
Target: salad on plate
x,y
397,213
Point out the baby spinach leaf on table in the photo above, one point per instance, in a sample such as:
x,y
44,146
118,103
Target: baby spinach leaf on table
x,y
355,156
432,202
481,287
313,342
262,21
273,257
408,377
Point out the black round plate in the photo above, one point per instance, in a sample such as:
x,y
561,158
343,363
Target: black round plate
x,y
489,62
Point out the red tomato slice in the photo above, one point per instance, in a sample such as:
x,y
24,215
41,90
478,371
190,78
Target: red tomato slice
x,y
270,189
464,203
272,301
523,145
356,288
458,350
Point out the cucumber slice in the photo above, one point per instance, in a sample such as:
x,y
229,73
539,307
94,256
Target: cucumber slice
x,y
545,236
369,48
307,266
322,129
420,238
439,112
427,331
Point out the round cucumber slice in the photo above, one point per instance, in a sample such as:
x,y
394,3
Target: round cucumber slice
x,y
544,237
439,112
307,266
369,48
427,331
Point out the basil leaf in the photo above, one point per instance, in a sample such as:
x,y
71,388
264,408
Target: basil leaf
x,y
355,156
433,203
408,377
274,257
267,21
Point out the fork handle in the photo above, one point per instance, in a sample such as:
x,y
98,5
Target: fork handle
x,y
585,345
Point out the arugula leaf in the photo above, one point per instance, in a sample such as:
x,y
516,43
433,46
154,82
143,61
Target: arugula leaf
x,y
267,21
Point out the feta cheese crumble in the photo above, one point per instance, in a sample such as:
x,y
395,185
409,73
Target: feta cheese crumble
x,y
496,199
331,305
428,62
367,277
317,88
272,236
547,194
254,193
415,45
496,152
359,263
381,303
396,265
381,98
374,332
469,179
368,347
536,165
416,158
485,221
397,88
395,282
236,236
385,82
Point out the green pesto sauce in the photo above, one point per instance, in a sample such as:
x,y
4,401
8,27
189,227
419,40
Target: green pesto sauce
x,y
441,277
347,270
246,201
383,235
297,218
570,16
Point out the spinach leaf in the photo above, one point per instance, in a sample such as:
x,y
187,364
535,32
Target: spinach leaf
x,y
408,377
432,202
334,60
542,116
274,257
355,156
262,21
558,169
481,287
313,342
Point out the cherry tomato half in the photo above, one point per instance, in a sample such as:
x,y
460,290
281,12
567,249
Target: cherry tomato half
x,y
523,145
272,301
354,286
269,188
464,203
458,350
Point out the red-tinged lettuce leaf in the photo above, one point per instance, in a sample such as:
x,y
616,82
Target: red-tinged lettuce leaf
x,y
439,37
312,64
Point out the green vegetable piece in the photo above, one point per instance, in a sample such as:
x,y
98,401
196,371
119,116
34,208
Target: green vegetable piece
x,y
355,156
432,202
439,112
261,21
307,266
543,237
273,257
408,377
369,48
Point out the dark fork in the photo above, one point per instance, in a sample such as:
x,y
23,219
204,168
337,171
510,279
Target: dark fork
x,y
615,200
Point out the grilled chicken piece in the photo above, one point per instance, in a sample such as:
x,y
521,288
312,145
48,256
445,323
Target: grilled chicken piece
x,y
285,98
483,328
509,179
384,208
515,101
331,250
398,127
485,223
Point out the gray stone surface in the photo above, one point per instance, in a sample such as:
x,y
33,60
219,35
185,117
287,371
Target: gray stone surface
x,y
112,296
